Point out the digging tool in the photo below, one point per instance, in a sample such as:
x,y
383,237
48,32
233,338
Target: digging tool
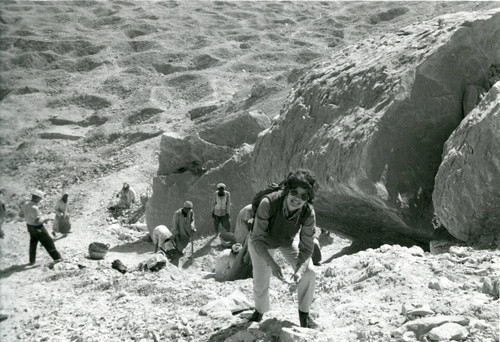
x,y
192,246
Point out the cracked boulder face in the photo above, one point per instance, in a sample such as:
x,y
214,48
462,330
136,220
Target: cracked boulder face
x,y
236,129
467,190
371,123
192,166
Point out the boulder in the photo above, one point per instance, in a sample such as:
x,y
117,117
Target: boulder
x,y
411,310
448,331
208,165
236,129
491,286
371,122
422,326
190,167
467,187
179,154
441,284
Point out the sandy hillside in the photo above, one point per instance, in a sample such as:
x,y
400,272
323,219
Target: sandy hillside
x,y
86,90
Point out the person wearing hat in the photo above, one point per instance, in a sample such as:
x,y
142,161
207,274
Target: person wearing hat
x,y
36,229
221,207
285,220
182,226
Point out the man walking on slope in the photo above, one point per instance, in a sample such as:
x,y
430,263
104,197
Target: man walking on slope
x,y
221,207
36,229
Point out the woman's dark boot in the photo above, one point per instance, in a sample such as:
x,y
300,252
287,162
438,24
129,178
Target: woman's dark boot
x,y
306,320
256,317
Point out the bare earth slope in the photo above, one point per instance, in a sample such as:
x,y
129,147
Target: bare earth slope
x,y
86,90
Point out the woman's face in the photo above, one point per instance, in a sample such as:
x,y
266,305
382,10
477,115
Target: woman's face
x,y
296,198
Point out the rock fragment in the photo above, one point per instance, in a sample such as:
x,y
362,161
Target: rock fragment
x,y
448,331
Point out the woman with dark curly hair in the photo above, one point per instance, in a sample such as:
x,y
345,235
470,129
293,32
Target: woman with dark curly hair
x,y
279,218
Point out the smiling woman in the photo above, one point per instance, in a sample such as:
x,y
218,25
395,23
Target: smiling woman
x,y
280,215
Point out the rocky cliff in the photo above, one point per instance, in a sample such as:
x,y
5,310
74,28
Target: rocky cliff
x,y
370,121
467,190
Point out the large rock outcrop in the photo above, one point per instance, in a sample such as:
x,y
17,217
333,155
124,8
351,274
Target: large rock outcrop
x,y
236,129
192,165
467,188
372,120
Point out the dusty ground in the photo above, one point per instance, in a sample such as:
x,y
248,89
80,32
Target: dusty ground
x,y
87,87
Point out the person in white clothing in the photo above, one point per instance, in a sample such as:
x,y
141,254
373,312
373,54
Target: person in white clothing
x,y
221,208
161,238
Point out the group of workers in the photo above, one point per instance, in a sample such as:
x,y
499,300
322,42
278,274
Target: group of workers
x,y
35,221
173,240
284,220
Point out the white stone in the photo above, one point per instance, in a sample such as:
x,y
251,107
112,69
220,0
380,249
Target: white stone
x,y
236,301
385,248
459,251
417,251
423,310
423,325
480,324
448,331
442,283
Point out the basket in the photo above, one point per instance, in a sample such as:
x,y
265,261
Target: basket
x,y
98,250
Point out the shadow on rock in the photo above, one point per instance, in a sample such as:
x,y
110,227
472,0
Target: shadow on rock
x,y
15,268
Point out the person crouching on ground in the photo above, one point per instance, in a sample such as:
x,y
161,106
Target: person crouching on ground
x,y
161,235
280,215
127,197
36,228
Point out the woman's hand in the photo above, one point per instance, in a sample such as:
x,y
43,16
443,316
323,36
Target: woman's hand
x,y
296,278
276,271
